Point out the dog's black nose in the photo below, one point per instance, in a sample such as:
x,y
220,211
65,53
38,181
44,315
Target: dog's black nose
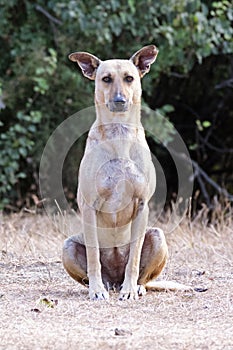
x,y
119,103
118,98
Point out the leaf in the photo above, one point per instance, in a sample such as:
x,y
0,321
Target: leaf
x,y
193,147
50,303
206,124
199,125
167,109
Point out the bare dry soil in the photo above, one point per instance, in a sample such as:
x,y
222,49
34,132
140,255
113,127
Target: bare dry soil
x,y
43,308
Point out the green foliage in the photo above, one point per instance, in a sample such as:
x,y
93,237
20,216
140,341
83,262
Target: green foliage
x,y
157,125
40,87
16,144
202,125
41,73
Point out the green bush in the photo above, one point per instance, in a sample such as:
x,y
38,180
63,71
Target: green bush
x,y
40,87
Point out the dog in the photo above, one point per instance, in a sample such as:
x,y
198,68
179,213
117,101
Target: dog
x,y
115,249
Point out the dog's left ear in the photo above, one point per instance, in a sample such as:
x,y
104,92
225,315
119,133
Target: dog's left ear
x,y
87,62
143,59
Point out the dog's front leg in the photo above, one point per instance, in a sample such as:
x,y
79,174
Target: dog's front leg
x,y
97,290
130,289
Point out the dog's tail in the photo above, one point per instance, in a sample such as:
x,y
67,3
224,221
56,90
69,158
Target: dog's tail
x,y
167,285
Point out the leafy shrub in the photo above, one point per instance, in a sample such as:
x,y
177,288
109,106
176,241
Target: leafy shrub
x,y
40,87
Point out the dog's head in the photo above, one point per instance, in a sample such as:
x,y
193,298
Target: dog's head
x,y
117,81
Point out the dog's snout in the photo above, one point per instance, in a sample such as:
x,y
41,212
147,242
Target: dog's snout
x,y
119,98
119,103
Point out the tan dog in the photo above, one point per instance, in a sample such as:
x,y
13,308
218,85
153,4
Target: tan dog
x,y
116,182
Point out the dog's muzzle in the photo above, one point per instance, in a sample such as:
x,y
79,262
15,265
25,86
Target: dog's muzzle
x,y
118,104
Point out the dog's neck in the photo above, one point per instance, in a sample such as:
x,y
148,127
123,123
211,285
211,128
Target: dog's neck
x,y
131,116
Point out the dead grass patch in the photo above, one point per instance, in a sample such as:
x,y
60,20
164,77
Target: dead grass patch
x,y
31,268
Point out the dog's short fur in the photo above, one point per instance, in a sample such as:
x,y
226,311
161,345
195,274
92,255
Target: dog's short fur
x,y
116,181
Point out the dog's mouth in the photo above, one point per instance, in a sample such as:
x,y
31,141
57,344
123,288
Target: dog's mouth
x,y
117,106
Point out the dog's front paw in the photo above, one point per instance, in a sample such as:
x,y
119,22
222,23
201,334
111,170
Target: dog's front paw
x,y
128,296
132,294
128,291
98,295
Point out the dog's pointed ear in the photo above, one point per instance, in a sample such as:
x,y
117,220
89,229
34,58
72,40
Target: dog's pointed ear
x,y
143,59
87,62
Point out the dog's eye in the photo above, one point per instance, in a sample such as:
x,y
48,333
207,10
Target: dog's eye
x,y
107,79
129,79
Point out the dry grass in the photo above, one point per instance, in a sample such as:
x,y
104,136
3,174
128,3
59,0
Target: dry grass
x,y
31,267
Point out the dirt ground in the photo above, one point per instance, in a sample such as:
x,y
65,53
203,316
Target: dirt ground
x,y
41,307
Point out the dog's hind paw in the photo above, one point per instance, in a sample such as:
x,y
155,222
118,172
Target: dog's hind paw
x,y
141,290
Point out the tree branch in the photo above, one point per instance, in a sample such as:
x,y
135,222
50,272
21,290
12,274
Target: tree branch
x,y
203,188
220,190
50,17
200,174
214,148
224,84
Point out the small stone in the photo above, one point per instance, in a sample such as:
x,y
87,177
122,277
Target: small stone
x,y
199,290
122,332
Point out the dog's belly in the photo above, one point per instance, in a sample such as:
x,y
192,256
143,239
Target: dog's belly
x,y
120,184
114,261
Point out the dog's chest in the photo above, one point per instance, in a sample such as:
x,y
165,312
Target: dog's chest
x,y
108,136
116,172
118,177
120,173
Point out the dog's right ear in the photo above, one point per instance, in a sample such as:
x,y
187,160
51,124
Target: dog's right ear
x,y
87,62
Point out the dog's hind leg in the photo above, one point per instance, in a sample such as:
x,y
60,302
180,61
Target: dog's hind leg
x,y
75,260
153,257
